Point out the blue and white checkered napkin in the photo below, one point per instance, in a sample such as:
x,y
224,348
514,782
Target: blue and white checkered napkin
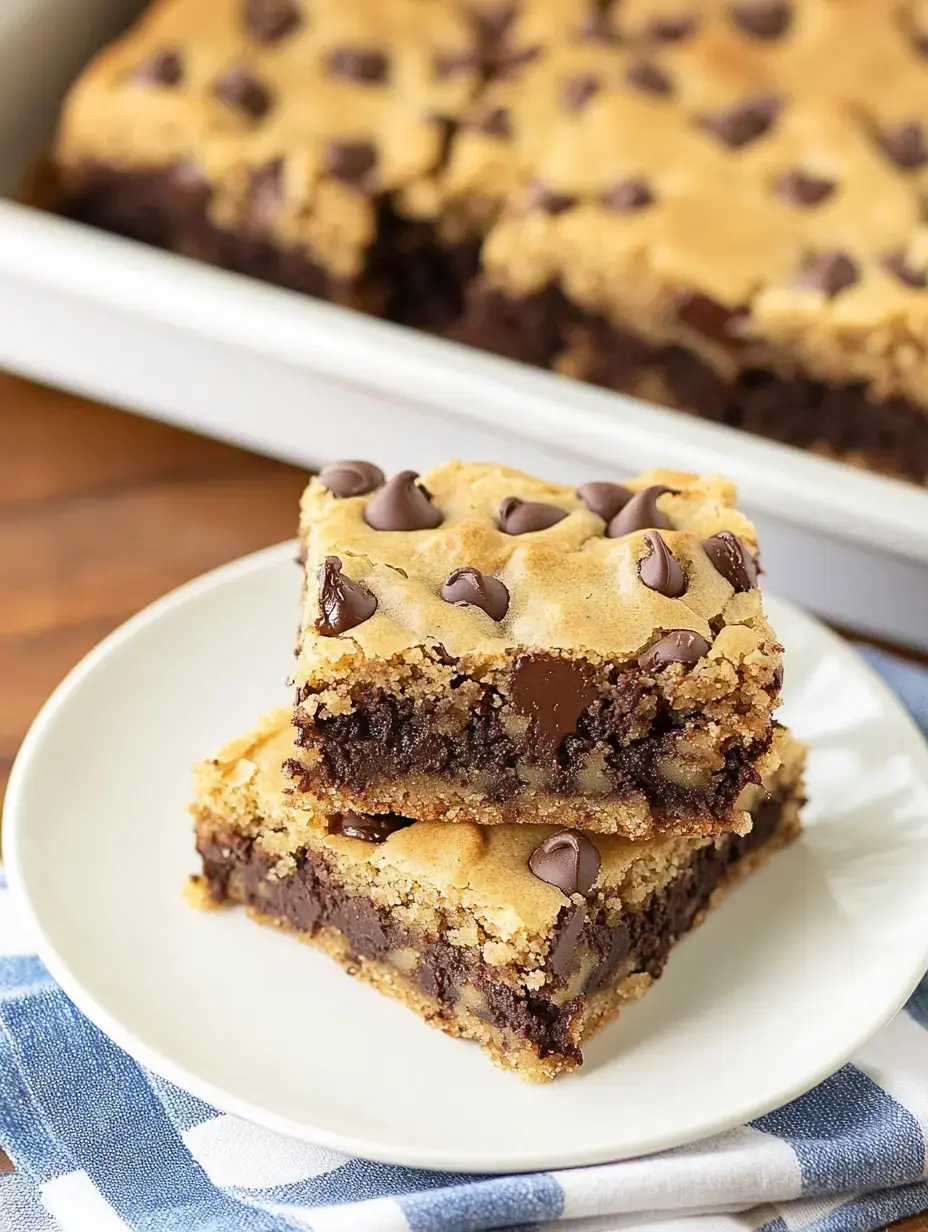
x,y
102,1145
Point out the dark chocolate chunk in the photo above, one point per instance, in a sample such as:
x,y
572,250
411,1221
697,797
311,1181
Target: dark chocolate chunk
x,y
351,161
543,198
830,271
672,28
494,121
553,693
351,478
568,860
579,90
343,604
778,678
905,145
604,499
678,646
519,517
469,587
743,123
564,944
627,196
369,827
898,265
402,504
164,68
271,20
641,513
265,196
366,64
241,90
660,570
713,320
766,19
450,63
798,187
645,75
732,560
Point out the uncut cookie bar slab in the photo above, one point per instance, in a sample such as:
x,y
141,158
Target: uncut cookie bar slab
x,y
480,645
275,137
526,939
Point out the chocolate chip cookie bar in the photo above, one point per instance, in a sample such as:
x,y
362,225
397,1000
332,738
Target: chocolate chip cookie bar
x,y
480,645
526,939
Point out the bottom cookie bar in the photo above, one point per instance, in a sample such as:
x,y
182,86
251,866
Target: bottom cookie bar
x,y
524,938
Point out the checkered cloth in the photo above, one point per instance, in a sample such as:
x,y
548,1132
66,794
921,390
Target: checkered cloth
x,y
100,1144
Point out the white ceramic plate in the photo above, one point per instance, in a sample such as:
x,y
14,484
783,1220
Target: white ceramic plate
x,y
780,987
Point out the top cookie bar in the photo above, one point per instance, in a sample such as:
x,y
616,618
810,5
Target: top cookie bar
x,y
480,645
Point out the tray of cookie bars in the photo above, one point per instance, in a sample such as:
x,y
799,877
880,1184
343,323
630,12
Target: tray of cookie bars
x,y
546,231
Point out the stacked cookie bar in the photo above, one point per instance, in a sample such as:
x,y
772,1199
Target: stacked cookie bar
x,y
533,742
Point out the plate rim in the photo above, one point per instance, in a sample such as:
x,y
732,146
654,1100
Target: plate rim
x,y
436,1158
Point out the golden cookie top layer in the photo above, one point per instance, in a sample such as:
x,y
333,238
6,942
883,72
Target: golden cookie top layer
x,y
475,561
484,869
292,112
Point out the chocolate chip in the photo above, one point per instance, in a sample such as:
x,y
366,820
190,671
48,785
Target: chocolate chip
x,y
797,187
495,121
271,20
678,646
351,161
366,64
766,19
164,68
898,265
564,944
660,570
645,75
604,499
905,145
778,678
830,272
672,29
568,860
543,198
351,478
553,693
343,604
732,560
449,64
519,517
402,504
627,196
265,196
744,123
469,587
641,513
711,319
579,90
443,655
369,827
241,90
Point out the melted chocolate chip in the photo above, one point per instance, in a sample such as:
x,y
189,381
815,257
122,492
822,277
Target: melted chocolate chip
x,y
449,64
905,145
732,560
351,478
645,75
898,265
678,646
713,320
402,504
519,517
469,587
766,19
369,827
365,64
164,68
641,513
744,123
579,90
553,693
543,198
660,570
672,29
351,161
604,499
343,604
269,21
798,187
830,272
564,946
495,121
265,196
627,196
241,90
567,860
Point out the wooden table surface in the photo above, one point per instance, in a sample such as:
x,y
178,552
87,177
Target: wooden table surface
x,y
101,512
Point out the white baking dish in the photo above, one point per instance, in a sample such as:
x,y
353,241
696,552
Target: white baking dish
x,y
307,381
